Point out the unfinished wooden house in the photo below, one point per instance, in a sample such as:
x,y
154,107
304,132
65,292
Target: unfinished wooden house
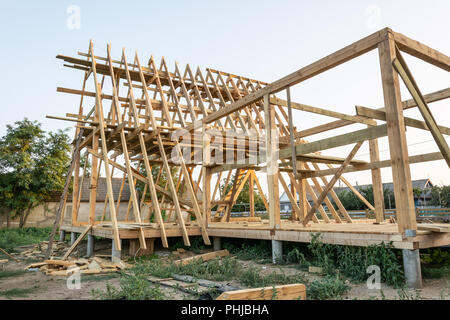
x,y
176,133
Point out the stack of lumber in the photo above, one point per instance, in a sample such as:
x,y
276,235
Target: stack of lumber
x,y
95,265
434,227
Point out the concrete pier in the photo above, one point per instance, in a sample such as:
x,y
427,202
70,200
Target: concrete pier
x,y
62,235
90,245
116,255
277,251
411,266
73,237
217,243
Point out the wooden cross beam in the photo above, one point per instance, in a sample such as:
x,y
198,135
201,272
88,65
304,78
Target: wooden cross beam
x,y
330,185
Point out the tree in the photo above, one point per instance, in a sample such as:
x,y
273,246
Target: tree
x,y
351,202
440,196
33,165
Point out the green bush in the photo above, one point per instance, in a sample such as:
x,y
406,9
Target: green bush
x,y
332,287
352,262
134,285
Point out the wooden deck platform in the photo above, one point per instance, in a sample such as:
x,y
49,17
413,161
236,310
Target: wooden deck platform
x,y
362,233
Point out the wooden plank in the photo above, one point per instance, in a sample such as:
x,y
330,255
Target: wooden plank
x,y
251,195
330,184
336,199
397,138
283,292
402,69
410,122
321,111
272,164
203,257
337,141
377,184
433,227
421,51
77,242
433,156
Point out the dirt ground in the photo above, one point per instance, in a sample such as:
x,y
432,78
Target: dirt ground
x,y
39,286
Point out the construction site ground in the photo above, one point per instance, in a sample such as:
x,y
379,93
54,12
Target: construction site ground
x,y
36,285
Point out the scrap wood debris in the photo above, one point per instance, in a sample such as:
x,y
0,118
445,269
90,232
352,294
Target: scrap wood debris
x,y
38,250
7,254
203,257
95,265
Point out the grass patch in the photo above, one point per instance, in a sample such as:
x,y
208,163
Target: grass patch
x,y
134,285
18,292
216,269
11,273
331,287
11,238
252,278
95,277
429,272
257,250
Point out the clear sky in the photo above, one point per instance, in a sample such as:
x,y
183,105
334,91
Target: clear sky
x,y
261,39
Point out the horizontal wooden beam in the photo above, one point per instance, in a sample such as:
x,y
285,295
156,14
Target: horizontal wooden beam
x,y
421,51
381,115
324,112
374,165
337,141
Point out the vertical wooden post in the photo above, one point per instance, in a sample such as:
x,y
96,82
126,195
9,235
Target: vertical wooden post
x,y
206,173
377,184
76,187
94,177
251,194
401,174
207,195
272,164
303,205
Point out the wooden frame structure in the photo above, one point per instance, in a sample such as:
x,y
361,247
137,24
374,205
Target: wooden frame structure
x,y
236,125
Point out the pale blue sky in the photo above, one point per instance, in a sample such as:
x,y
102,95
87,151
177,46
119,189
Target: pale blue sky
x,y
260,39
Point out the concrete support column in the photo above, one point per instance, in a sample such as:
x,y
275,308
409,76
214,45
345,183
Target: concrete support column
x,y
116,255
217,243
62,235
277,250
73,237
90,245
411,266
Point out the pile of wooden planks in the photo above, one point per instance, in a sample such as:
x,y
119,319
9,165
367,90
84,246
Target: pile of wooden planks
x,y
284,292
39,249
95,265
434,227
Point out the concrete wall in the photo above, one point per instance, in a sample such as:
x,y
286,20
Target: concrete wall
x,y
44,216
